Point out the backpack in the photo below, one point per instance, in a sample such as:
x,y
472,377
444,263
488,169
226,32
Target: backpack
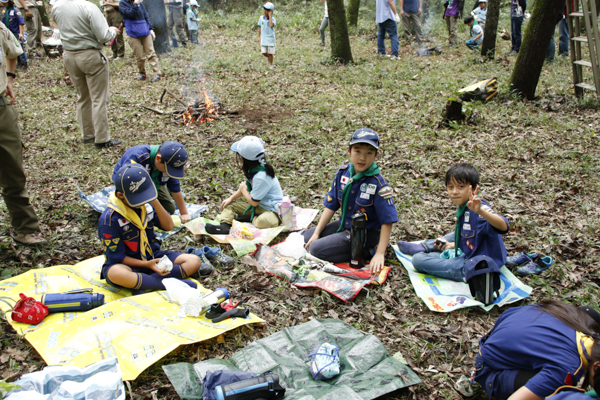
x,y
480,89
483,276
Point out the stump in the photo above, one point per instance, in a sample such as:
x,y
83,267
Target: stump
x,y
454,110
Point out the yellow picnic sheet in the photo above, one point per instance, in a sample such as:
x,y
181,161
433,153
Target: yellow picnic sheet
x,y
138,330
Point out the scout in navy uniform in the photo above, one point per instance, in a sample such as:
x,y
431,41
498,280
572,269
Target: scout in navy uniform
x,y
165,165
478,231
536,351
126,229
12,18
358,187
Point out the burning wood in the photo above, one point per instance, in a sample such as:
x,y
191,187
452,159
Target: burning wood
x,y
202,111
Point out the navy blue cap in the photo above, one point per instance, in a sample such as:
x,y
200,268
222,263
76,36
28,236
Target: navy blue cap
x,y
365,135
135,183
479,265
175,156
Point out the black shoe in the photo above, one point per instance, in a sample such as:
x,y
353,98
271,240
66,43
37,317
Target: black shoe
x,y
221,229
22,67
110,143
142,77
174,42
92,140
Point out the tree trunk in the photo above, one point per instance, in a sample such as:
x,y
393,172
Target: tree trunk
x,y
526,73
43,14
340,42
158,17
353,6
488,47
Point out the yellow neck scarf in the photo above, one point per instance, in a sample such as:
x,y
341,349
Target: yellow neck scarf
x,y
130,215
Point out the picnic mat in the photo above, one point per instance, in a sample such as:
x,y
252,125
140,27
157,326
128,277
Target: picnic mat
x,y
99,200
445,295
369,371
343,286
138,330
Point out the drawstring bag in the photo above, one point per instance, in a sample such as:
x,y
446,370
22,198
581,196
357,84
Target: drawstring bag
x,y
325,363
28,310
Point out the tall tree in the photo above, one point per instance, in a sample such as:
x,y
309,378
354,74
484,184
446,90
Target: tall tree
x,y
488,47
526,73
158,17
340,41
353,6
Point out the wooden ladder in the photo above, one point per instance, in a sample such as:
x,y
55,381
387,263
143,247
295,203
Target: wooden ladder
x,y
589,14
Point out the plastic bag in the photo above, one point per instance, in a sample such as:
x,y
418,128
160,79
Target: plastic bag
x,y
165,264
325,363
179,291
293,246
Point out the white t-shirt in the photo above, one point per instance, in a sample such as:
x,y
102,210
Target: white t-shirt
x,y
326,13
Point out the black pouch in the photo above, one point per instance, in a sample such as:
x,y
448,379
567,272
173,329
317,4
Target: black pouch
x,y
483,276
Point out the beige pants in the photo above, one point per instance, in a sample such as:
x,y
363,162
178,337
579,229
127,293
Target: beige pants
x,y
451,23
143,49
89,73
34,28
262,218
414,21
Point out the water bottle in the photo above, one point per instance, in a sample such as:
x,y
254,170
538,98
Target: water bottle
x,y
358,240
218,296
73,301
286,211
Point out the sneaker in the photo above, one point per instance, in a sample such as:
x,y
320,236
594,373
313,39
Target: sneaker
x,y
28,239
519,259
142,77
214,254
110,143
322,44
206,268
92,140
221,229
156,78
512,53
381,55
394,58
535,266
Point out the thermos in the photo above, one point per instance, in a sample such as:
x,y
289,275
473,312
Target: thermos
x,y
265,386
218,296
72,301
358,240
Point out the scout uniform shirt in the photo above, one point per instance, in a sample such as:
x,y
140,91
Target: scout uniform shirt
x,y
120,238
12,18
370,195
10,49
141,155
479,238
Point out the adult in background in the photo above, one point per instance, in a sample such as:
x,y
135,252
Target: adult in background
x,y
83,30
141,36
324,24
23,220
387,18
114,18
175,20
453,11
33,23
517,11
410,11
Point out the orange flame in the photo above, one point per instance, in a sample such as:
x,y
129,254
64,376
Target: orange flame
x,y
210,110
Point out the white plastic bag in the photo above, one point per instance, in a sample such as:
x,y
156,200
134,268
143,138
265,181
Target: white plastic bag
x,y
179,291
293,246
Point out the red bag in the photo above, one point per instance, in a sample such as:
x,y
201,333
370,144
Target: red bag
x,y
28,310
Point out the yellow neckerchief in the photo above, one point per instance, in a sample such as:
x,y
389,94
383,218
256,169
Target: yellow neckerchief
x,y
141,223
584,348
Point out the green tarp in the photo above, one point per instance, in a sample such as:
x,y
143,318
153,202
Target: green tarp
x,y
368,370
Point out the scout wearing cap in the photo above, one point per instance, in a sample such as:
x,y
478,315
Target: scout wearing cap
x,y
165,164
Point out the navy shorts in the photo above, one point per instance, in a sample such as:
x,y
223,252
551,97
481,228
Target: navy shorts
x,y
159,254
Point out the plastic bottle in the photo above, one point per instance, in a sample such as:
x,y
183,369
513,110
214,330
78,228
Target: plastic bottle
x,y
286,210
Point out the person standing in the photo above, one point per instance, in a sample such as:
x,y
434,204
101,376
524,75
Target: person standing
x,y
192,21
24,221
175,20
114,18
141,36
324,24
33,23
83,30
387,18
13,20
454,9
410,11
517,11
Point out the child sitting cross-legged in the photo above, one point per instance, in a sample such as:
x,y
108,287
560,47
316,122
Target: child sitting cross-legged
x,y
126,229
478,233
358,188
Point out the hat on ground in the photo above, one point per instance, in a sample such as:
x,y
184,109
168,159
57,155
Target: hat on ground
x,y
365,135
250,147
193,3
135,183
269,6
174,155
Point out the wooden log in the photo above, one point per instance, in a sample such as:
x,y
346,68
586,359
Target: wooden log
x,y
175,97
154,110
454,110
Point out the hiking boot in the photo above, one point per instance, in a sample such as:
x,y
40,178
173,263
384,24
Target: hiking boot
x,y
535,266
206,268
174,43
92,140
28,239
214,254
142,77
221,229
110,143
520,259
156,78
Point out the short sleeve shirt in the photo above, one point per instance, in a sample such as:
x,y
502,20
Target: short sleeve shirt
x,y
11,48
192,25
371,195
267,34
480,14
411,6
141,154
266,190
12,18
384,11
476,30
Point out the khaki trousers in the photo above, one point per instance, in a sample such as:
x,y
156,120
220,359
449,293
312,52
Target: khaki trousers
x,y
263,219
451,23
175,19
118,47
89,73
414,21
143,49
34,28
165,199
12,176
